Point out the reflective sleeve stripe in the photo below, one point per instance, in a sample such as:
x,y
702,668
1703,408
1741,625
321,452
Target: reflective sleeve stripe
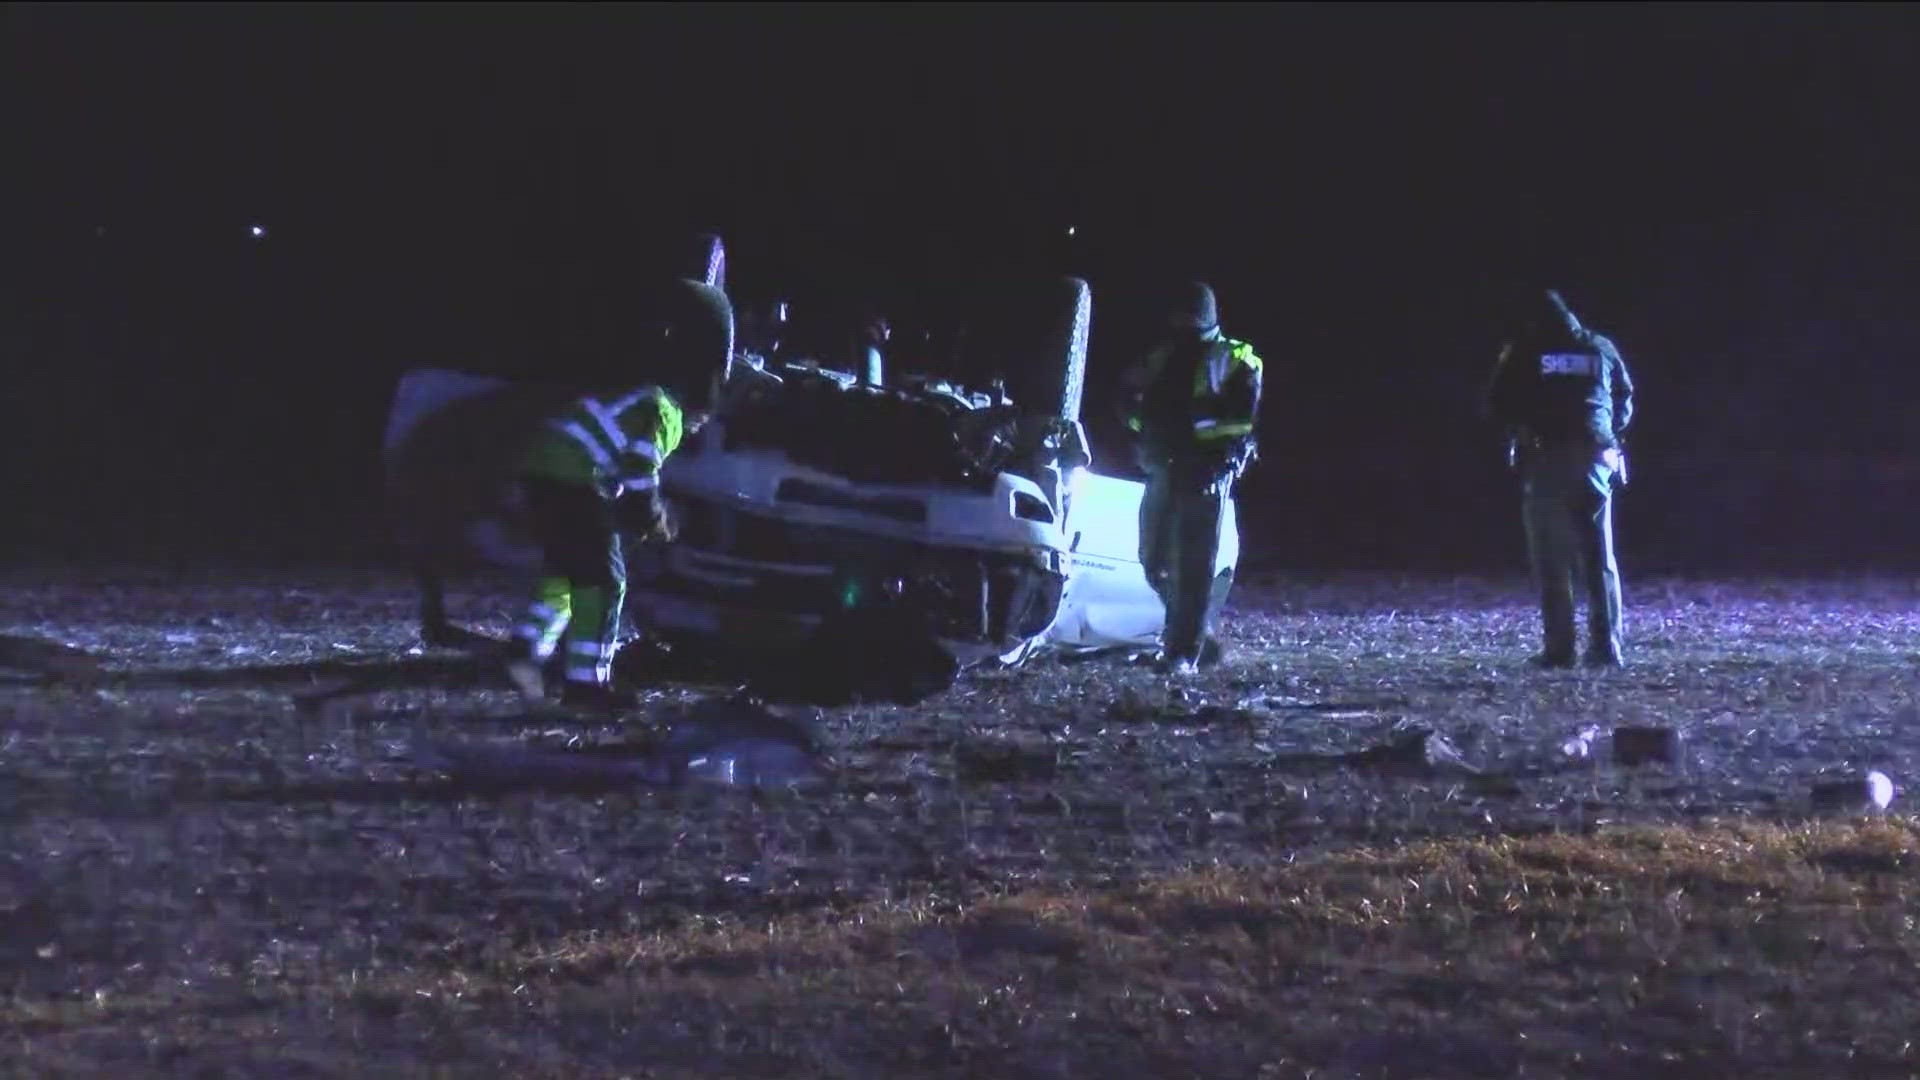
x,y
607,445
628,402
609,421
643,448
578,432
1221,429
640,466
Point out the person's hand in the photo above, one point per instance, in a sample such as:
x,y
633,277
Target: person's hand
x,y
646,520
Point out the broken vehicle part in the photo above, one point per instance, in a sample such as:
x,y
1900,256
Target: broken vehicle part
x,y
728,742
973,510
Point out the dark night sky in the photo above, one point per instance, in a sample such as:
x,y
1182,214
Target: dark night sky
x,y
1727,189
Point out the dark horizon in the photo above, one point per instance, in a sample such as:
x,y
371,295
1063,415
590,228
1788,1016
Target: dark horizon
x,y
1725,191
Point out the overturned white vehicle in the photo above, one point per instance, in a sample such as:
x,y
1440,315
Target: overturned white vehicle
x,y
814,491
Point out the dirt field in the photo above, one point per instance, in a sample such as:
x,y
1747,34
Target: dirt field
x,y
1068,870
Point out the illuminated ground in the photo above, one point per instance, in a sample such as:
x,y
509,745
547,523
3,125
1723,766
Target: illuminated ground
x,y
1066,870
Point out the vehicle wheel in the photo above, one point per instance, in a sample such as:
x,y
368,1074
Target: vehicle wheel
x,y
1035,337
710,261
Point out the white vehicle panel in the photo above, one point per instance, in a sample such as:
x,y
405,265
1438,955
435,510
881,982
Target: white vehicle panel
x,y
1108,603
1105,603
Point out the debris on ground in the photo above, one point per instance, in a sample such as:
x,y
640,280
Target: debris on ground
x,y
1413,750
1583,745
1870,792
733,742
1150,868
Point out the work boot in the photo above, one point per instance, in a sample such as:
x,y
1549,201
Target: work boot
x,y
526,675
1604,656
1178,664
1212,652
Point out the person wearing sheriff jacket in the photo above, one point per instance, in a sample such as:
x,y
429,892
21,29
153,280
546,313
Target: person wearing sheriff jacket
x,y
592,473
1564,397
1192,405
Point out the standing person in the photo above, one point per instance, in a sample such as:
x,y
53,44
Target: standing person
x,y
760,328
592,473
1193,402
1564,397
871,334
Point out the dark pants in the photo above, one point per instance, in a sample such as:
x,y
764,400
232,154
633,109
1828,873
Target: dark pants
x,y
583,582
1180,525
1567,504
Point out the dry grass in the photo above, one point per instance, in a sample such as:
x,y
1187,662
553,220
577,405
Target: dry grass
x,y
1064,871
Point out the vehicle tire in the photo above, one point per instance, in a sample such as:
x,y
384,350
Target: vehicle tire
x,y
1035,337
710,261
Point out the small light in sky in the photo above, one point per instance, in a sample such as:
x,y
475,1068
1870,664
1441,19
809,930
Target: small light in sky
x,y
1070,230
259,232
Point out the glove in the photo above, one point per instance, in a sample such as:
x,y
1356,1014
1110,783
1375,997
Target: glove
x,y
1615,460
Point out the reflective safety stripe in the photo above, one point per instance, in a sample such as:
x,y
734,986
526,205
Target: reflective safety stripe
x,y
590,661
638,483
630,401
546,618
609,424
1221,429
596,427
645,449
539,642
586,440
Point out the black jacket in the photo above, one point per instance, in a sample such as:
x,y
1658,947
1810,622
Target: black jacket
x,y
1197,397
1558,383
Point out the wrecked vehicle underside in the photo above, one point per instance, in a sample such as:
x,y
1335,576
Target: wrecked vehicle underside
x,y
857,527
810,494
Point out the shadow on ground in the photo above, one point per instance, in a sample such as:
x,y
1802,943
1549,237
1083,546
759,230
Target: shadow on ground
x,y
28,661
865,658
